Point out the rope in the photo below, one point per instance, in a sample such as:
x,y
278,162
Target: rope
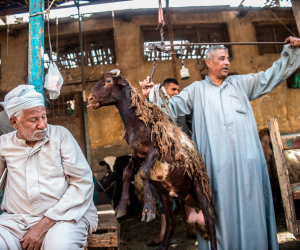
x,y
268,8
47,11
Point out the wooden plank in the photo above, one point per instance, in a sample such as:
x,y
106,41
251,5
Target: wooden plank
x,y
296,190
104,207
283,177
106,216
103,240
291,141
108,224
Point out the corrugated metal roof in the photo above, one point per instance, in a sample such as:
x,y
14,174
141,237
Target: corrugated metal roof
x,y
13,7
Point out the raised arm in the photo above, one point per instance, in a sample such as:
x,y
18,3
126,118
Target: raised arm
x,y
183,103
79,195
257,85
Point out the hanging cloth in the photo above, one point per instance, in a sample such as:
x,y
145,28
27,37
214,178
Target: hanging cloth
x,y
296,82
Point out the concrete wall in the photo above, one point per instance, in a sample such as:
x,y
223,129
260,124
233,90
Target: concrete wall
x,y
105,126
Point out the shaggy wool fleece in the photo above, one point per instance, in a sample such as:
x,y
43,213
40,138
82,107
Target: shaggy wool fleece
x,y
170,138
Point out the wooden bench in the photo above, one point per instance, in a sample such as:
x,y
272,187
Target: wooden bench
x,y
289,192
108,231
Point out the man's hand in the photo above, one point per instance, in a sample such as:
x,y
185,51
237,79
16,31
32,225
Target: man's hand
x,y
146,86
293,41
34,238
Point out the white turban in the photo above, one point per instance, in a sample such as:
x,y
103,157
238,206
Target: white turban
x,y
20,98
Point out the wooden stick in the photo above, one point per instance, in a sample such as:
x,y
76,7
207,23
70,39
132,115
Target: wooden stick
x,y
283,177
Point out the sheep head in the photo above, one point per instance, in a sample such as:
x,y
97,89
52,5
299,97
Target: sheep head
x,y
107,90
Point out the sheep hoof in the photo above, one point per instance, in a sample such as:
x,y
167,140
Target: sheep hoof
x,y
150,217
119,214
147,217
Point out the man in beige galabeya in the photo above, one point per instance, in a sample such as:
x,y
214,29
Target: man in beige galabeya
x,y
48,196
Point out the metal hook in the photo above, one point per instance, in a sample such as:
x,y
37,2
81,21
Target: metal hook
x,y
182,64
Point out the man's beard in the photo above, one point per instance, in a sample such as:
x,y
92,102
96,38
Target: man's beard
x,y
33,136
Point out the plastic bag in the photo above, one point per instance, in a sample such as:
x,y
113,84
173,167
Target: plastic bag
x,y
53,81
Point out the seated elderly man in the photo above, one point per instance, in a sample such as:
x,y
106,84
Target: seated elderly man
x,y
48,196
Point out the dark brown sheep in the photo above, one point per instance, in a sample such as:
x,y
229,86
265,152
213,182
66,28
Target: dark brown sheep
x,y
162,154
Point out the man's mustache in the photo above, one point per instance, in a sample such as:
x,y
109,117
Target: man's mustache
x,y
40,131
225,68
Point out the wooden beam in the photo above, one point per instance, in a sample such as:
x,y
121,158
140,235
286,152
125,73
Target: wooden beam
x,y
296,190
296,10
283,177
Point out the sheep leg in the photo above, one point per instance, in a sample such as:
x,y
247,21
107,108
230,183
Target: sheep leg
x,y
149,210
124,201
209,220
170,220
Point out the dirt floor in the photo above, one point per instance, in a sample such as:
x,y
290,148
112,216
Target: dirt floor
x,y
135,234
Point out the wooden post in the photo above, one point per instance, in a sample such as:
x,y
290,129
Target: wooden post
x,y
36,46
296,10
283,177
171,36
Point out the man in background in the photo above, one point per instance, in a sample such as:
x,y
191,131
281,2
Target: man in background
x,y
170,88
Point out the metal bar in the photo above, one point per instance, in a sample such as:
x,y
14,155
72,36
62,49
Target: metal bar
x,y
52,108
87,138
225,43
171,37
199,39
7,40
85,51
57,49
80,44
36,46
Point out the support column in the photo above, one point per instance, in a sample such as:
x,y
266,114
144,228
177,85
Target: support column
x,y
36,46
296,10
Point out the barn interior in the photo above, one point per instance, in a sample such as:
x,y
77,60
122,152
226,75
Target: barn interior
x,y
113,38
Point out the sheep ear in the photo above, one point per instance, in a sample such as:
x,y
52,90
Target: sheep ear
x,y
115,72
122,81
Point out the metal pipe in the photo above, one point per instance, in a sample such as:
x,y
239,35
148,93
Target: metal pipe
x,y
87,138
80,44
171,37
36,46
225,43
